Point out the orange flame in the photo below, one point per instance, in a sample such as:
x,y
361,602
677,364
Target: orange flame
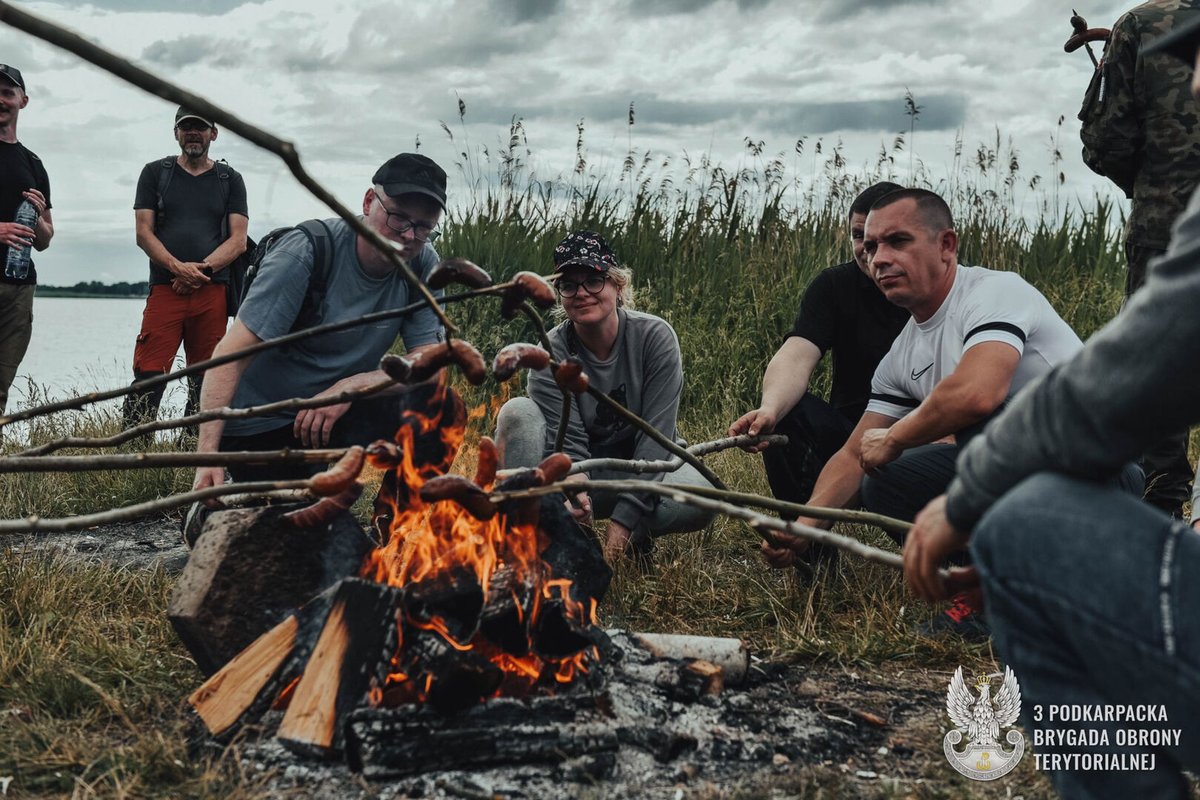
x,y
427,542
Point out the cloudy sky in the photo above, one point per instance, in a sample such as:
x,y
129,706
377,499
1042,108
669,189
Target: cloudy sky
x,y
352,82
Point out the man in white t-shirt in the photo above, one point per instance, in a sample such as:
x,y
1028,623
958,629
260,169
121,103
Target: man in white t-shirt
x,y
976,337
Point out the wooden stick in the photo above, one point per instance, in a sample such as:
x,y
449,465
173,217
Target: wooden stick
x,y
226,413
125,70
695,496
673,464
153,460
201,366
35,524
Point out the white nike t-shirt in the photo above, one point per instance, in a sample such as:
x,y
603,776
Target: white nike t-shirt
x,y
983,306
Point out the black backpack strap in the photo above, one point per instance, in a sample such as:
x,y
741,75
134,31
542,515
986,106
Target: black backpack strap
x,y
318,281
166,170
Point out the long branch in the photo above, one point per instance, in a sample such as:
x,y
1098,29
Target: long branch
x,y
160,460
114,64
759,523
889,524
642,466
225,413
35,524
254,349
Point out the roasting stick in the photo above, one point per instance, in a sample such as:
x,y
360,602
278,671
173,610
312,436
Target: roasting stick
x,y
704,497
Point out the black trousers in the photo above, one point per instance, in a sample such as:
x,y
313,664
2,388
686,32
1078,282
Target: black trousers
x,y
367,420
1168,473
815,431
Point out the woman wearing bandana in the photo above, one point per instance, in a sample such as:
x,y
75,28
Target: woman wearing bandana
x,y
632,357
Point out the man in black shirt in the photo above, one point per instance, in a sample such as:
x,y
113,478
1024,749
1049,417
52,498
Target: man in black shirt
x,y
22,177
191,219
842,310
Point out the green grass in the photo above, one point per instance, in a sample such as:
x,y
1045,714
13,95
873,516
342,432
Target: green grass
x,y
92,681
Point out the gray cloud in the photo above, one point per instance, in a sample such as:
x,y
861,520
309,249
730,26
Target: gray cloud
x,y
834,10
206,7
180,52
529,10
657,8
938,112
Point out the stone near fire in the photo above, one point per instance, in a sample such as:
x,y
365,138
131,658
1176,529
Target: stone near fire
x,y
250,570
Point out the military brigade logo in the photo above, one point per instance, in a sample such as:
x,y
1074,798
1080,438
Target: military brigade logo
x,y
982,719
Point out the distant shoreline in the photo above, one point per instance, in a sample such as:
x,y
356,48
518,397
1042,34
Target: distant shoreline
x,y
44,292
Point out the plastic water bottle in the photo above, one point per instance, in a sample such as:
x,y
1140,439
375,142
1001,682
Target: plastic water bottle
x,y
16,265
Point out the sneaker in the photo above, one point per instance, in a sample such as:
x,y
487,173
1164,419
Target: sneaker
x,y
193,523
963,618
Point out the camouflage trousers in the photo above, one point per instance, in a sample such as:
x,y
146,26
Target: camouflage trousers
x,y
1168,473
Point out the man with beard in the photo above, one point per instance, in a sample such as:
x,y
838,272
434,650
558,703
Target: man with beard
x,y
22,177
190,213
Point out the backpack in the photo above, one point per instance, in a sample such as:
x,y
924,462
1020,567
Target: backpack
x,y
321,238
235,288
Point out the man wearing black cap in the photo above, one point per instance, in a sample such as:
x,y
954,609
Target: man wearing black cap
x,y
1091,594
404,205
191,217
22,178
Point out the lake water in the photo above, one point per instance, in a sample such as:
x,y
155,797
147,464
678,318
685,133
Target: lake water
x,y
81,345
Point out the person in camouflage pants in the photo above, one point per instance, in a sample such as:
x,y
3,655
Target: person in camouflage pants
x,y
1141,130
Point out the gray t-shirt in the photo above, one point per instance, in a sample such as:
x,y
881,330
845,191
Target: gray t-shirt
x,y
310,366
644,373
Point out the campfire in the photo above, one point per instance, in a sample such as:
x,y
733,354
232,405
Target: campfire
x,y
454,604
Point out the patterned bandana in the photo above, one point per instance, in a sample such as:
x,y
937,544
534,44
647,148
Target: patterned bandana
x,y
584,249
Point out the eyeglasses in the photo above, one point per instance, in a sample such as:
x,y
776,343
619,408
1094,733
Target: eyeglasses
x,y
592,284
192,125
403,223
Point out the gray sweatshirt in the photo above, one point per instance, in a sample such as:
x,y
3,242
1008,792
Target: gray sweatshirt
x,y
1133,383
644,373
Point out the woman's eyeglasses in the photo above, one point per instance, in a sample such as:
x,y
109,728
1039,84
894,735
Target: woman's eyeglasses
x,y
592,284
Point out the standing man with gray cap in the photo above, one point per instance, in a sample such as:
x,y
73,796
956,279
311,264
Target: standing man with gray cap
x,y
403,205
23,180
191,218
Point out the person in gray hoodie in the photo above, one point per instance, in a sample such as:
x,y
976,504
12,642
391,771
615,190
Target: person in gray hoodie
x,y
632,357
1089,592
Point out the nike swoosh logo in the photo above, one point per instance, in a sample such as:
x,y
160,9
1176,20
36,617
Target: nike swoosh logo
x,y
916,375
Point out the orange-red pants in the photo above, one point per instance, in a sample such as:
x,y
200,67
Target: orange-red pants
x,y
196,320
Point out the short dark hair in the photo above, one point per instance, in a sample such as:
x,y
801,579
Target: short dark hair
x,y
862,204
935,214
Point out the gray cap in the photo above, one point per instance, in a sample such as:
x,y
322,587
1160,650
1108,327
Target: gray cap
x,y
1180,42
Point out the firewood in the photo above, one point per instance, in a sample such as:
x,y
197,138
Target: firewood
x,y
729,654
226,697
354,647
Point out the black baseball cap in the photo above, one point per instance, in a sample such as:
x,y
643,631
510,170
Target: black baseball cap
x,y
13,75
584,249
412,173
1180,42
183,113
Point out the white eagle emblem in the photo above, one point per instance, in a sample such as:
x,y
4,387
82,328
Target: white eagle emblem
x,y
982,719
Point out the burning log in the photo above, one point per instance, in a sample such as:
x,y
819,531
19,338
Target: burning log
x,y
355,644
386,744
250,569
503,620
452,600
